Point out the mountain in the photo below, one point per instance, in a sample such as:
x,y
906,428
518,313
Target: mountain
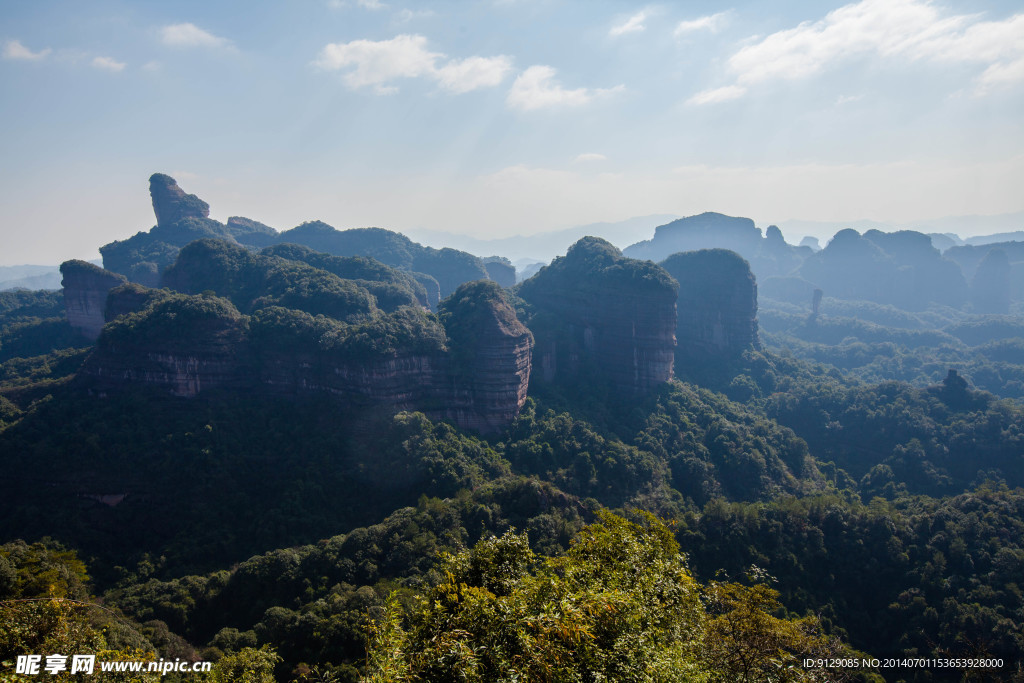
x,y
547,245
183,218
769,255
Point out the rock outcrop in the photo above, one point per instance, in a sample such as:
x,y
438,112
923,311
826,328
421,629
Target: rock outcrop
x,y
183,218
717,306
599,314
500,270
491,349
171,204
85,295
474,370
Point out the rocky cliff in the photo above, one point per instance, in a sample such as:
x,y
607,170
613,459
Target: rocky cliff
x,y
598,313
183,218
85,295
490,357
500,270
473,370
171,204
717,306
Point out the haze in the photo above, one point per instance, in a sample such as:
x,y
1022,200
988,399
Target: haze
x,y
500,118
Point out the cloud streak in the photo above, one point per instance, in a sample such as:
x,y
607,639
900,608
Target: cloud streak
x,y
712,23
635,24
190,35
378,63
13,49
108,64
908,30
537,88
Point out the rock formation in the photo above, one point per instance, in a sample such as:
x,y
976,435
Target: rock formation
x,y
900,268
990,287
171,204
603,315
85,295
475,374
717,306
769,256
492,350
183,218
500,270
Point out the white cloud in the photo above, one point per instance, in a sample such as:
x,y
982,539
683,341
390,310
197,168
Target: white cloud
x,y
712,22
1001,74
378,62
190,35
473,72
634,24
407,14
536,88
13,49
887,29
715,95
365,4
108,63
589,156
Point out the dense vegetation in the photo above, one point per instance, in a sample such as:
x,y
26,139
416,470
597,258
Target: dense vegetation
x,y
839,493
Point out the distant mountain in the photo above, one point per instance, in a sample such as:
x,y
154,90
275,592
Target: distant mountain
x,y
824,230
1016,236
546,246
30,277
769,254
1010,226
975,225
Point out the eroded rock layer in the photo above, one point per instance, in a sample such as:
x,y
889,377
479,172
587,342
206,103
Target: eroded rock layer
x,y
85,295
474,370
600,313
717,306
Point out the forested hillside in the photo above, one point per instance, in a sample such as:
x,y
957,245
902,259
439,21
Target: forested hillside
x,y
300,466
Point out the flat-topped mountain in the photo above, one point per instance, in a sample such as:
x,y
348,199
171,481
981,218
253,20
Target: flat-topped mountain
x,y
717,306
472,366
768,255
598,313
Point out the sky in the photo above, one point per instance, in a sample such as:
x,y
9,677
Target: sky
x,y
495,118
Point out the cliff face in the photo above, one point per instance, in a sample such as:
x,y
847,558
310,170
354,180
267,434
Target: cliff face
x,y
598,312
85,295
183,218
171,204
490,357
187,345
717,305
501,271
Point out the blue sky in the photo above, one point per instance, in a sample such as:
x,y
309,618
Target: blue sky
x,y
503,117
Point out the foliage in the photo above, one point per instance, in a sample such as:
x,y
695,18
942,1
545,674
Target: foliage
x,y
253,281
619,605
45,609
